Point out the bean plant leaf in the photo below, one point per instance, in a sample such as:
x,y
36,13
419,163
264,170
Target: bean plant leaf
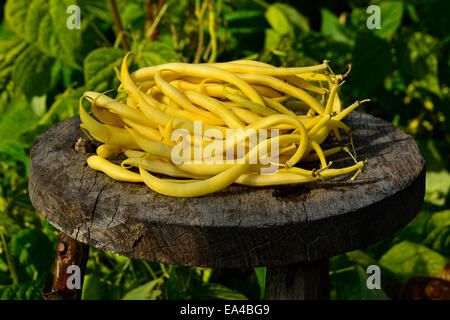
x,y
391,18
24,291
155,53
439,240
278,20
147,291
32,253
260,273
17,120
418,60
438,187
293,17
271,40
438,220
43,24
214,291
32,72
407,259
332,27
99,74
9,51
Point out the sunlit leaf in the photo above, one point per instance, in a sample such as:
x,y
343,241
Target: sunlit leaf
x,y
418,61
407,259
391,18
148,291
260,273
99,73
212,291
278,20
331,26
43,24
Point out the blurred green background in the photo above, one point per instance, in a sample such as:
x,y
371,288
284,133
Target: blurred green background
x,y
403,67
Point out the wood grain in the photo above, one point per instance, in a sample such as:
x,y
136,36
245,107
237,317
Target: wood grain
x,y
301,281
238,226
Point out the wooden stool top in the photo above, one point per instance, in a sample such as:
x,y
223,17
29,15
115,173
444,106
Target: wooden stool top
x,y
238,226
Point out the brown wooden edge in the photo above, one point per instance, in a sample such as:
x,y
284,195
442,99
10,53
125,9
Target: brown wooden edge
x,y
68,252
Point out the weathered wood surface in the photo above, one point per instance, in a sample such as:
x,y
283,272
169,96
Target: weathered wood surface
x,y
238,226
301,281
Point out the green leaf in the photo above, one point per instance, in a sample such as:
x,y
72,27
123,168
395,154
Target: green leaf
x,y
439,240
438,220
43,24
330,26
99,74
17,120
23,291
391,18
418,60
294,17
278,20
32,72
213,291
14,150
361,258
271,40
260,273
155,53
96,289
367,53
407,259
438,186
32,253
9,51
39,105
147,291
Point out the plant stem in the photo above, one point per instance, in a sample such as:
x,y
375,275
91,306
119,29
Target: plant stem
x,y
9,260
199,12
174,36
212,34
150,270
164,271
148,15
119,24
155,23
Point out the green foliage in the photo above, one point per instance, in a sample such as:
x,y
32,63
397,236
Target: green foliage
x,y
32,254
407,259
42,23
99,74
403,67
391,17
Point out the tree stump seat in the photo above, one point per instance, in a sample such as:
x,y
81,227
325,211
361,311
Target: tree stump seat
x,y
292,229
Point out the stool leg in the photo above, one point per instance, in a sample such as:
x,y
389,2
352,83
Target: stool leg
x,y
70,263
303,281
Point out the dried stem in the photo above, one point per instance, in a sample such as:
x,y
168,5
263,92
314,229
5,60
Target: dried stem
x,y
119,24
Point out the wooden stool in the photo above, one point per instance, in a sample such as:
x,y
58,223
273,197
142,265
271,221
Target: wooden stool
x,y
291,229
